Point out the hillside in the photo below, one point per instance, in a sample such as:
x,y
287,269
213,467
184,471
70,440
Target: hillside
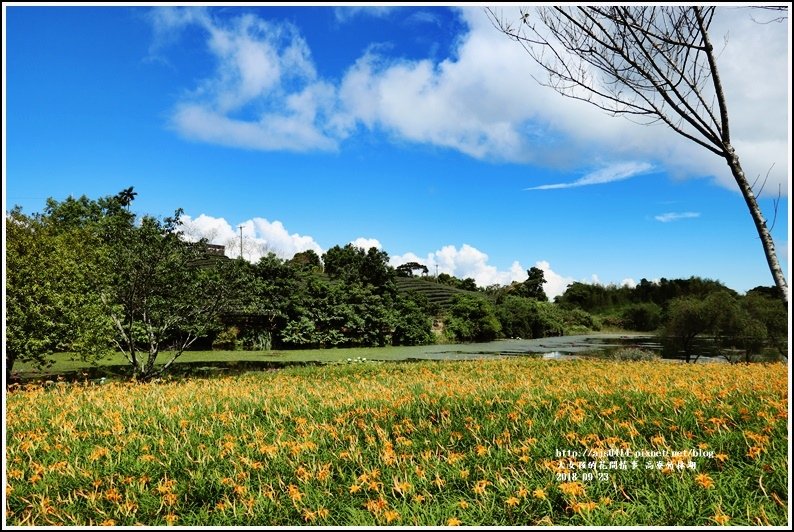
x,y
436,293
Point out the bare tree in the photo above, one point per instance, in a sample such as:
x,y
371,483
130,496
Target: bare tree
x,y
648,63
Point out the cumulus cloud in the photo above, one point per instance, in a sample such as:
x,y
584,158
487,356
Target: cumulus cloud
x,y
259,237
469,262
264,94
366,243
481,100
614,172
675,216
556,284
464,262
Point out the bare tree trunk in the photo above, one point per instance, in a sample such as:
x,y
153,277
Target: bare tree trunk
x,y
655,62
759,221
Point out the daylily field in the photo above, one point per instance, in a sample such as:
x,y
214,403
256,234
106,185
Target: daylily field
x,y
498,442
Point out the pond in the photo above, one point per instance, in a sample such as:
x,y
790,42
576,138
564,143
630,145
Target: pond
x,y
208,363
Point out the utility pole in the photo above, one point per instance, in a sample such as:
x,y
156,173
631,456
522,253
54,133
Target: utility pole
x,y
241,240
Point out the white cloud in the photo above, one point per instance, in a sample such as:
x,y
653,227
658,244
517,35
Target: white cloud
x,y
347,13
469,261
631,283
675,216
259,237
264,93
482,101
366,243
555,284
614,172
466,262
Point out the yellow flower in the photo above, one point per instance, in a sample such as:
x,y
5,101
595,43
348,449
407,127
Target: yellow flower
x,y
754,452
512,501
580,507
354,488
722,457
479,487
704,480
463,504
522,492
391,515
539,493
572,488
294,493
720,518
453,521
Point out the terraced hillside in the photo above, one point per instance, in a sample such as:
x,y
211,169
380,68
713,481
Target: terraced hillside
x,y
437,293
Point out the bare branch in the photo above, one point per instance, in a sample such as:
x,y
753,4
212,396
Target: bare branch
x,y
648,63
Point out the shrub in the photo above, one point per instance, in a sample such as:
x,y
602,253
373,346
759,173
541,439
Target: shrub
x,y
227,339
642,316
634,354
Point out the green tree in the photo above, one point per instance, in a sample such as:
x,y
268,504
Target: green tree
x,y
413,322
54,275
472,318
307,260
763,305
407,269
533,286
642,316
686,319
163,295
352,264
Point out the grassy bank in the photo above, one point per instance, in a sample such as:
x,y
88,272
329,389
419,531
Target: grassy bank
x,y
487,442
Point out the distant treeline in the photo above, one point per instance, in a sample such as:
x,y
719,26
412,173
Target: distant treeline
x,y
90,276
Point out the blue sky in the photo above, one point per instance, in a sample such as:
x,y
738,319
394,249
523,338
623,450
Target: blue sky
x,y
416,129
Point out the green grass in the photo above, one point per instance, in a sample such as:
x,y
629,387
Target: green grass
x,y
431,443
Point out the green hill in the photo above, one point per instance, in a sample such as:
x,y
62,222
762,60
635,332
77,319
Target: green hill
x,y
437,293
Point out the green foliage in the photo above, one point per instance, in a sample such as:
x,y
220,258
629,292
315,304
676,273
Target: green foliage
x,y
467,284
767,311
723,317
599,298
642,316
412,322
533,286
472,318
54,275
352,264
306,260
634,354
158,288
529,318
407,269
227,339
577,321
